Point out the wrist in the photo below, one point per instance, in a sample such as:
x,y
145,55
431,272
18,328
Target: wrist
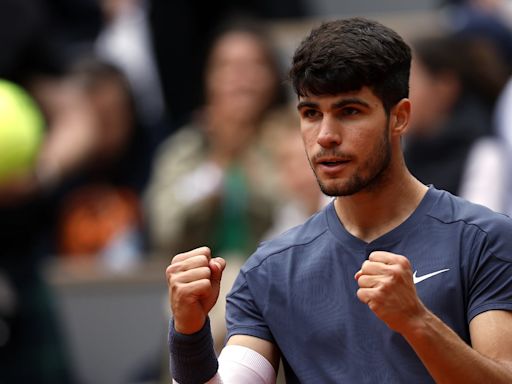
x,y
417,324
193,358
189,327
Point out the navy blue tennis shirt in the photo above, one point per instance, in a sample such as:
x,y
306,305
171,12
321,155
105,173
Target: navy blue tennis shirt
x,y
299,292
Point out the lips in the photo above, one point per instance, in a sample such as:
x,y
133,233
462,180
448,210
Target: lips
x,y
331,161
332,165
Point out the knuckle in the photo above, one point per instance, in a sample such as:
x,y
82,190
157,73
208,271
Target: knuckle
x,y
394,273
176,293
404,262
177,258
203,259
203,286
173,268
363,281
205,272
172,282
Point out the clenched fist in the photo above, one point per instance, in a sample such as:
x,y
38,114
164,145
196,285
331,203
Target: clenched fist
x,y
194,283
386,286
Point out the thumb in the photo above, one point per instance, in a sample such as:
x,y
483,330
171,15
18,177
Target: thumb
x,y
217,266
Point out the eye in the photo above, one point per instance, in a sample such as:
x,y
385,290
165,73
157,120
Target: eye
x,y
350,111
310,113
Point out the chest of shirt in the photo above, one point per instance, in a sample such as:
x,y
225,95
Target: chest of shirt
x,y
312,304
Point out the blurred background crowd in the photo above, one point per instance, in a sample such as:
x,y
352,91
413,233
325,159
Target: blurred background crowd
x,y
132,130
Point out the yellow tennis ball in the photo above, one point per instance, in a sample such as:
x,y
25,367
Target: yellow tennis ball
x,y
21,130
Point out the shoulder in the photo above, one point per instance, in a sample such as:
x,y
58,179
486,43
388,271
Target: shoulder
x,y
185,142
180,152
494,228
290,242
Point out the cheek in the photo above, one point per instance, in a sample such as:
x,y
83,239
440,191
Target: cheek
x,y
308,131
365,143
308,138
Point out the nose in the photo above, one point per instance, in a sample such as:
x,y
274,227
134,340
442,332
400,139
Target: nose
x,y
329,134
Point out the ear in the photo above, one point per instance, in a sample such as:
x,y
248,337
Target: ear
x,y
399,117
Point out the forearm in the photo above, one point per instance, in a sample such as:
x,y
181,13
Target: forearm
x,y
193,361
449,359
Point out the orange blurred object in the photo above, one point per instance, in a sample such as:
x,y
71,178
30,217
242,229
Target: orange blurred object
x,y
93,216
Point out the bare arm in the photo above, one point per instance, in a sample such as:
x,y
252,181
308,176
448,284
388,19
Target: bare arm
x,y
387,287
451,360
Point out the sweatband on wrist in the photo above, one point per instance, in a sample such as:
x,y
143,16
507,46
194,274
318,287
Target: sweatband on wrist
x,y
193,359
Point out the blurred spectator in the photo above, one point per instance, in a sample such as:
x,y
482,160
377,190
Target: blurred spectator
x,y
182,32
300,196
454,85
125,41
100,212
211,181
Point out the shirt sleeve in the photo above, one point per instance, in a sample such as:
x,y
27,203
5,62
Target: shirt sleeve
x,y
243,316
491,274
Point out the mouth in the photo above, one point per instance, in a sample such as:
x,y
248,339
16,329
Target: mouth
x,y
332,162
332,165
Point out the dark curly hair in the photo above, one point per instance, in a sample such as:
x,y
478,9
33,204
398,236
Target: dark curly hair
x,y
345,55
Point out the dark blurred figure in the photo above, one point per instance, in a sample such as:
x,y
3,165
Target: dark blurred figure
x,y
39,39
31,349
182,32
481,20
454,85
44,36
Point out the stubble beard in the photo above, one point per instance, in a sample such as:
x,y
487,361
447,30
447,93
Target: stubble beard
x,y
368,177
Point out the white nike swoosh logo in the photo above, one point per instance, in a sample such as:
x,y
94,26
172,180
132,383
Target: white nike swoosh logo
x,y
417,280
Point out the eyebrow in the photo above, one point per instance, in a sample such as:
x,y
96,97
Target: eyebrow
x,y
336,105
353,100
306,104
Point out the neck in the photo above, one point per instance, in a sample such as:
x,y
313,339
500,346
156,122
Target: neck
x,y
371,213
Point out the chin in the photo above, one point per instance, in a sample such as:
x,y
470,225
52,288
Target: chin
x,y
341,188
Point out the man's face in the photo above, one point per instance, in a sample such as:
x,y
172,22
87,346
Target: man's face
x,y
347,141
